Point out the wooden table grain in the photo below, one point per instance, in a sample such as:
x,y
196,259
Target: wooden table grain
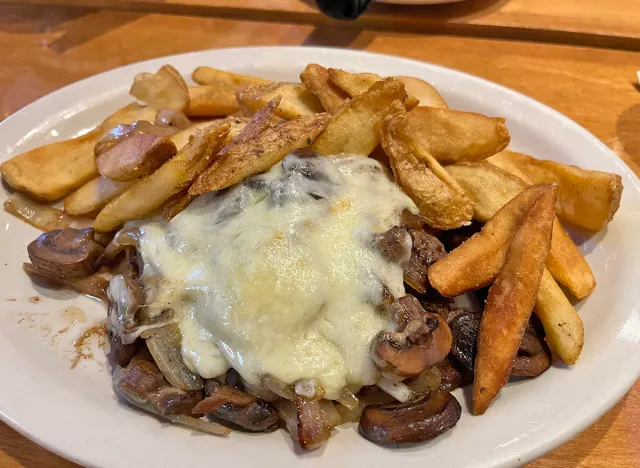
x,y
45,48
611,23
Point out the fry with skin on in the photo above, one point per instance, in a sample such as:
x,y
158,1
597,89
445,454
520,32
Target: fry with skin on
x,y
316,79
490,188
355,84
442,206
297,100
355,128
477,262
453,136
212,76
510,301
258,123
89,199
151,192
258,154
587,199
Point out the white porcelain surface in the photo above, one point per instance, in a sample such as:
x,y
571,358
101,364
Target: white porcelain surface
x,y
74,412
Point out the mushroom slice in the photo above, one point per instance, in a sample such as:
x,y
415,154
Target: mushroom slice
x,y
240,408
451,377
93,285
409,423
394,245
69,253
423,339
136,156
165,347
425,251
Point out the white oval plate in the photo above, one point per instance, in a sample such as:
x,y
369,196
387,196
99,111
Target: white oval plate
x,y
74,412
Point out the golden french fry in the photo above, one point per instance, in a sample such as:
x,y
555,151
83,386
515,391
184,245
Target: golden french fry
x,y
442,205
297,100
43,217
511,299
562,324
52,171
316,79
477,262
588,199
354,84
165,89
136,156
355,128
490,188
212,101
151,192
211,76
259,154
89,199
425,93
453,136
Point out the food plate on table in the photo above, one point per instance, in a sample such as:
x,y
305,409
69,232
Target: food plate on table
x,y
229,182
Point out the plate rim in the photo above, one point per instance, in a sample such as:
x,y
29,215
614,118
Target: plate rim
x,y
529,452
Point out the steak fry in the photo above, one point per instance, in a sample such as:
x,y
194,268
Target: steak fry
x,y
511,299
478,261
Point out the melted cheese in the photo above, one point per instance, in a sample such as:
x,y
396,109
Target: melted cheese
x,y
277,275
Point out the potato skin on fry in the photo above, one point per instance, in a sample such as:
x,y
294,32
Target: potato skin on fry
x,y
587,199
316,79
355,128
511,299
297,100
490,187
151,192
259,154
477,262
442,206
136,156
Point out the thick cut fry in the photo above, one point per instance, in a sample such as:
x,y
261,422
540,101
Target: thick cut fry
x,y
442,206
52,171
258,123
165,89
259,154
588,199
477,262
211,76
453,136
40,216
89,199
355,128
297,100
510,301
490,188
562,324
425,93
136,156
151,192
355,84
212,101
316,79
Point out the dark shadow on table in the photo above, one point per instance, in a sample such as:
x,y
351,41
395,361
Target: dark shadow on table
x,y
628,131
